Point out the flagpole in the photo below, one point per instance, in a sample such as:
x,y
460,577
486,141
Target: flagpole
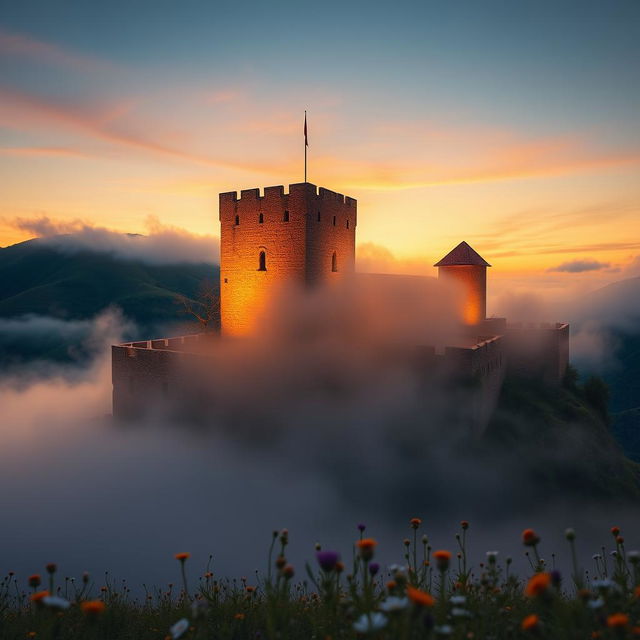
x,y
305,145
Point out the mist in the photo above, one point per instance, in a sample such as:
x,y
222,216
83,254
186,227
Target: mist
x,y
319,422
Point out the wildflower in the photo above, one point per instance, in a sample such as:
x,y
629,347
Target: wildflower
x,y
55,602
530,538
391,585
636,593
239,616
397,569
374,567
458,612
394,603
596,556
281,561
530,623
362,527
556,578
415,523
458,600
183,556
492,556
38,596
569,534
603,585
619,540
595,604
421,598
327,560
339,567
442,559
617,620
31,634
92,607
615,531
288,572
443,630
199,608
179,628
465,525
250,589
366,547
284,536
34,581
369,622
537,585
406,542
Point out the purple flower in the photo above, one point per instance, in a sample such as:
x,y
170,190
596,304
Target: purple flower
x,y
556,578
327,559
374,567
361,527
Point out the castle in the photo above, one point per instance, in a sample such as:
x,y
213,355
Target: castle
x,y
306,237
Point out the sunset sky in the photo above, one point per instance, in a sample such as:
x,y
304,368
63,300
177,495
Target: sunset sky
x,y
512,125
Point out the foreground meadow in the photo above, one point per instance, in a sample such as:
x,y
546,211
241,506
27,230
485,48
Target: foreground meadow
x,y
429,594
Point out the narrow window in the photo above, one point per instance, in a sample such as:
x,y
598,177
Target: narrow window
x,y
334,221
262,261
237,220
334,262
318,216
261,218
286,216
347,224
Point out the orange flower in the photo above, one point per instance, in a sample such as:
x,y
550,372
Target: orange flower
x,y
35,580
538,585
366,547
464,524
442,559
615,531
250,589
415,523
635,631
92,607
530,538
530,623
617,620
636,592
421,598
31,634
239,616
37,596
391,585
183,556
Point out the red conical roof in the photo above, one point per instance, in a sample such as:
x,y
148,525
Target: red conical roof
x,y
463,254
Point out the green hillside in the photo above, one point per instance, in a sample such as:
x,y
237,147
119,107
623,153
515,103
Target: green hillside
x,y
38,279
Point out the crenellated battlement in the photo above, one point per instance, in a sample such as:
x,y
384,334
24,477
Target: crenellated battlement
x,y
278,191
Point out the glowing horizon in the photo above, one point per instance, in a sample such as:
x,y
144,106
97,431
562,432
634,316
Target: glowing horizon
x,y
468,130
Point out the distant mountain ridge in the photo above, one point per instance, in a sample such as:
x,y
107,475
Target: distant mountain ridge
x,y
43,280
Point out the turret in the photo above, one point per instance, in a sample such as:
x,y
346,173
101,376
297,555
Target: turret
x,y
468,270
302,238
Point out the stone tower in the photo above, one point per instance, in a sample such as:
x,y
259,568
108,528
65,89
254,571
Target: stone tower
x,y
468,269
304,237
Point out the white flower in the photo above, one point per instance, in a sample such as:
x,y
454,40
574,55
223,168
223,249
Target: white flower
x,y
55,602
492,554
602,584
369,622
457,612
179,628
596,556
444,630
457,600
393,603
398,569
595,604
614,553
199,608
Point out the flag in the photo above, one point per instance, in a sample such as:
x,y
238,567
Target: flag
x,y
306,140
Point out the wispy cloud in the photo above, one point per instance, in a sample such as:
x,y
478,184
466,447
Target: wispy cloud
x,y
26,46
161,244
580,266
